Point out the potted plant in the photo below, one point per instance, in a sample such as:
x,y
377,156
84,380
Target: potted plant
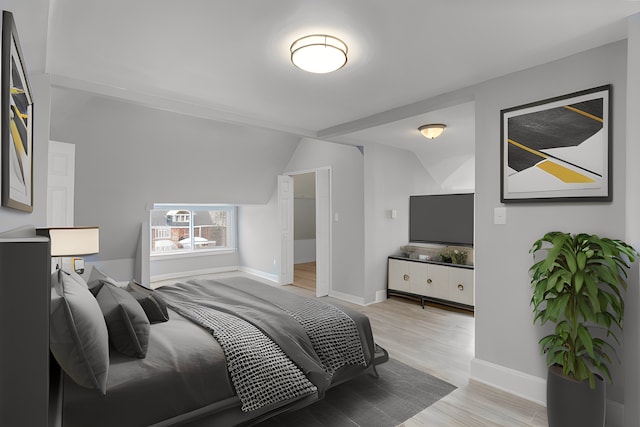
x,y
459,256
446,255
579,287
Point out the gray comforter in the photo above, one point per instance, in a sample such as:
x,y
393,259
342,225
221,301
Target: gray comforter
x,y
311,333
185,375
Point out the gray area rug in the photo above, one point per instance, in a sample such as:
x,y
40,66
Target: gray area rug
x,y
399,394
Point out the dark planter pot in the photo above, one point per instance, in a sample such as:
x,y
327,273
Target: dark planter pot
x,y
573,403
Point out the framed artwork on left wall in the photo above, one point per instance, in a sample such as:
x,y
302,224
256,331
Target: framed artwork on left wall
x,y
16,122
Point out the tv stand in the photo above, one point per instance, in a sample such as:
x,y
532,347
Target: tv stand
x,y
443,283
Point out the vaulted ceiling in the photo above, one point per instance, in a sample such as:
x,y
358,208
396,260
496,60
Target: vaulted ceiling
x,y
229,60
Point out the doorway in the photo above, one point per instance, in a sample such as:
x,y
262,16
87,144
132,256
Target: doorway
x,y
305,229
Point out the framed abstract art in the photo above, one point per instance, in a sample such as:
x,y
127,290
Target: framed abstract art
x,y
16,123
558,149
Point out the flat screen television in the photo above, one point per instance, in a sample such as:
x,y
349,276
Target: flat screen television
x,y
441,218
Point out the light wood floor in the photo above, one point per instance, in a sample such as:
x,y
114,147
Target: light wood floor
x,y
441,343
304,275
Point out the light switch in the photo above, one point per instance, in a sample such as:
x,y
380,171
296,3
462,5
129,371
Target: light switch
x,y
500,215
336,217
394,213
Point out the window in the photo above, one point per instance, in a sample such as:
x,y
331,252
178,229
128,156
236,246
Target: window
x,y
177,229
162,232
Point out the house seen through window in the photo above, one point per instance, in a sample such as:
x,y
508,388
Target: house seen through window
x,y
192,228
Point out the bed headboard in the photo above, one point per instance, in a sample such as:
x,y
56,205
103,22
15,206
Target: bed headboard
x,y
25,270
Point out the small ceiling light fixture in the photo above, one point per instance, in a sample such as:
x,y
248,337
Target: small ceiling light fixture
x,y
432,131
319,53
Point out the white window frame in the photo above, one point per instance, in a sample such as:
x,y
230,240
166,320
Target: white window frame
x,y
231,237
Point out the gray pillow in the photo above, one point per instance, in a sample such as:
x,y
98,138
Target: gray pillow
x,y
76,277
126,320
78,334
96,279
153,304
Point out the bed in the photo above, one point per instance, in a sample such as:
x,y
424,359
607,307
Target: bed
x,y
221,352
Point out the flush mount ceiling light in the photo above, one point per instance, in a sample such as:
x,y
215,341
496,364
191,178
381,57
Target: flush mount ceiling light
x,y
319,53
432,131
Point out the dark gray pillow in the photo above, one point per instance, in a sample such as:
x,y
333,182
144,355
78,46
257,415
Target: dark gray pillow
x,y
96,279
153,304
126,321
78,334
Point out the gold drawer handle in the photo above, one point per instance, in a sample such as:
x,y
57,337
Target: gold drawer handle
x,y
429,281
460,287
406,277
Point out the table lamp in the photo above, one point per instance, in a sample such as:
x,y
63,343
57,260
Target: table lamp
x,y
72,242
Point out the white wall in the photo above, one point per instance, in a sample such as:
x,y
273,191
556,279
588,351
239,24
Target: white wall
x,y
304,251
32,21
505,334
180,266
304,223
130,156
258,237
391,176
463,179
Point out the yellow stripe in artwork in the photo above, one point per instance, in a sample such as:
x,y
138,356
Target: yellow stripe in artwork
x,y
564,174
524,147
17,141
584,113
15,111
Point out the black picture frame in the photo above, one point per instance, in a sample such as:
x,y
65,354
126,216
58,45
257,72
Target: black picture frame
x,y
558,149
16,121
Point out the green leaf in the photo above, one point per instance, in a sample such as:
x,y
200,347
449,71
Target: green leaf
x,y
557,306
605,371
570,257
592,294
587,341
581,259
578,281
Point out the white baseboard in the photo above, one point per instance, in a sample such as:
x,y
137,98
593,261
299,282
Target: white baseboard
x,y
530,387
267,276
347,297
514,382
381,296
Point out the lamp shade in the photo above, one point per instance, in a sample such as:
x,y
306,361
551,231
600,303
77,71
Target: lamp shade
x,y
432,131
319,53
72,241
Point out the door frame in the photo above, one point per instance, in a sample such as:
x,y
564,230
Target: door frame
x,y
324,241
